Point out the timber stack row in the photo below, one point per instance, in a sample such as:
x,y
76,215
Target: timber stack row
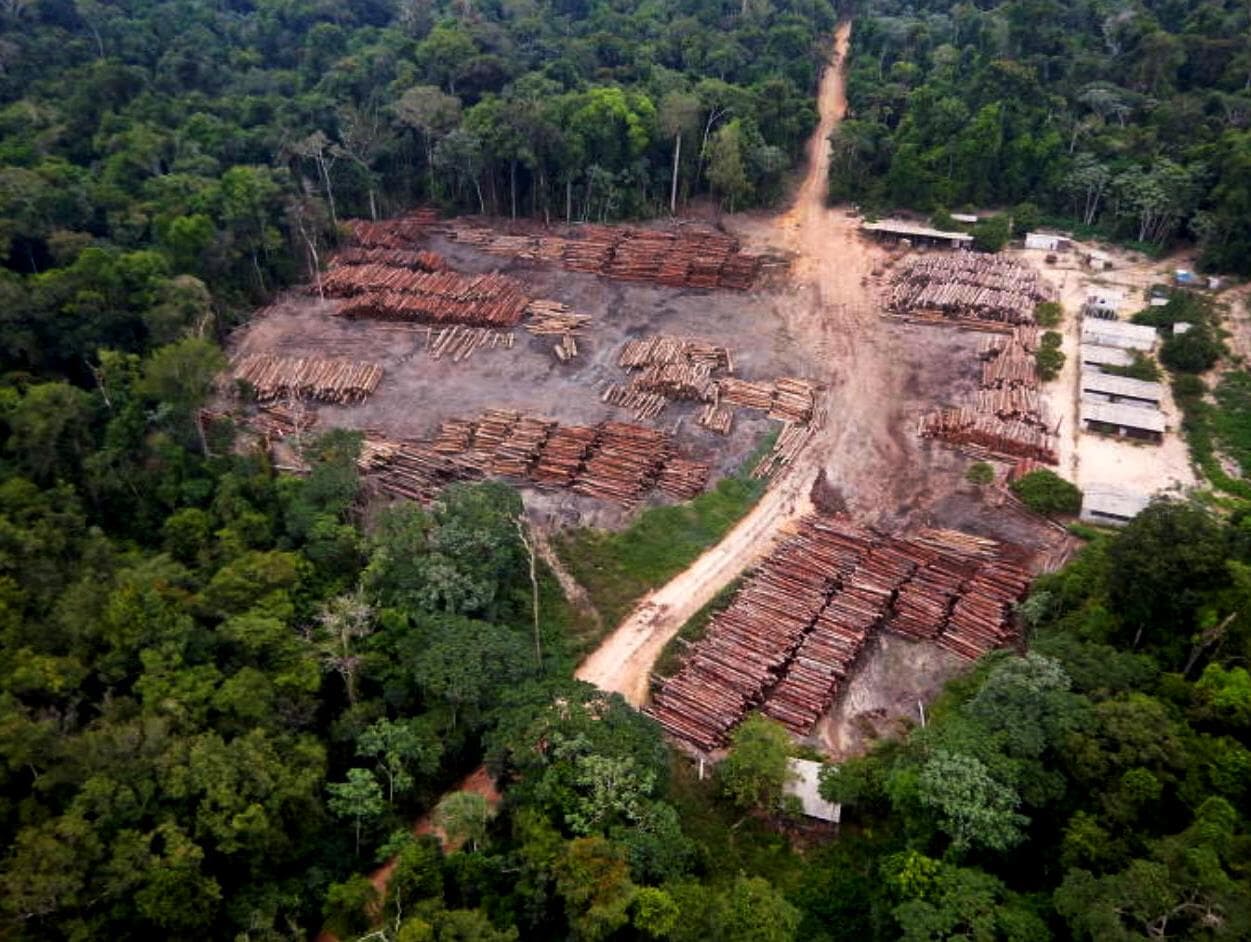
x,y
403,232
612,461
687,257
792,636
412,259
328,380
386,292
968,285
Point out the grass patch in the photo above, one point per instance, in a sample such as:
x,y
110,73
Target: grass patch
x,y
730,843
1200,420
567,632
1231,420
616,569
693,630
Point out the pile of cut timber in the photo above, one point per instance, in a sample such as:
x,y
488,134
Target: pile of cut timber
x,y
613,461
413,259
333,380
1008,418
644,405
991,434
385,292
459,342
665,349
277,421
402,232
968,285
689,256
791,637
412,470
790,441
716,418
553,319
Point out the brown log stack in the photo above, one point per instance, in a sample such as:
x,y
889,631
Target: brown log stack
x,y
343,382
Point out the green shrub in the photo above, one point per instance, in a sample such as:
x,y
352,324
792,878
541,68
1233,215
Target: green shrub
x,y
1026,217
1195,351
1049,358
991,235
942,220
980,473
1046,493
1048,313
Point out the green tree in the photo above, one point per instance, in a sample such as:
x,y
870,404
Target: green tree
x,y
464,818
756,767
1046,493
400,747
972,807
358,798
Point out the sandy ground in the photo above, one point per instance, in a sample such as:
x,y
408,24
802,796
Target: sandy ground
x,y
1091,460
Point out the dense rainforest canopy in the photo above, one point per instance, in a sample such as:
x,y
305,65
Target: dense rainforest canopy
x,y
1129,119
225,693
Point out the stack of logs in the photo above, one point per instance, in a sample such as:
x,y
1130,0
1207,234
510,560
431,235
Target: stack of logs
x,y
328,380
792,635
386,292
412,259
612,461
403,232
1007,418
459,342
687,257
968,285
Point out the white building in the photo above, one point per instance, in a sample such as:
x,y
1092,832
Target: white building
x,y
805,785
1046,241
1120,334
1107,387
1110,505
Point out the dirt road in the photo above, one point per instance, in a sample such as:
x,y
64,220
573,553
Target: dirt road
x,y
831,311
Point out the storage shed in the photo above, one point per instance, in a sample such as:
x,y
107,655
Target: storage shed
x,y
1122,420
1103,303
902,229
1110,505
1097,357
1110,388
1047,241
1118,334
805,784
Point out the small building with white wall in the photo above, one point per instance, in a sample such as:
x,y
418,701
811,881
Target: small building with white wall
x,y
1046,241
1110,505
805,784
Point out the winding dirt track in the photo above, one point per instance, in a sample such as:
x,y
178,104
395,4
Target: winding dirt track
x,y
831,312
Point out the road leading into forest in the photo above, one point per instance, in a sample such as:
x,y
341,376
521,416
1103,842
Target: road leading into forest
x,y
831,314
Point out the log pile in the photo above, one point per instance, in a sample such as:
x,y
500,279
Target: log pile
x,y
747,395
1008,418
553,319
968,285
990,434
666,349
276,421
343,382
562,457
682,478
644,405
791,638
716,418
402,232
385,292
459,342
412,259
689,256
624,462
981,618
789,443
411,470
612,461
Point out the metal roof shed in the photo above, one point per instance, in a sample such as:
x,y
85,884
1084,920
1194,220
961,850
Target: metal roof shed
x,y
1122,388
1125,421
1118,334
1099,357
902,229
1112,505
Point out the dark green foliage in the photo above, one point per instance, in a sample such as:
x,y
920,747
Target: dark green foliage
x,y
1195,351
1048,314
1045,492
1049,358
1144,368
992,234
1108,126
980,473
